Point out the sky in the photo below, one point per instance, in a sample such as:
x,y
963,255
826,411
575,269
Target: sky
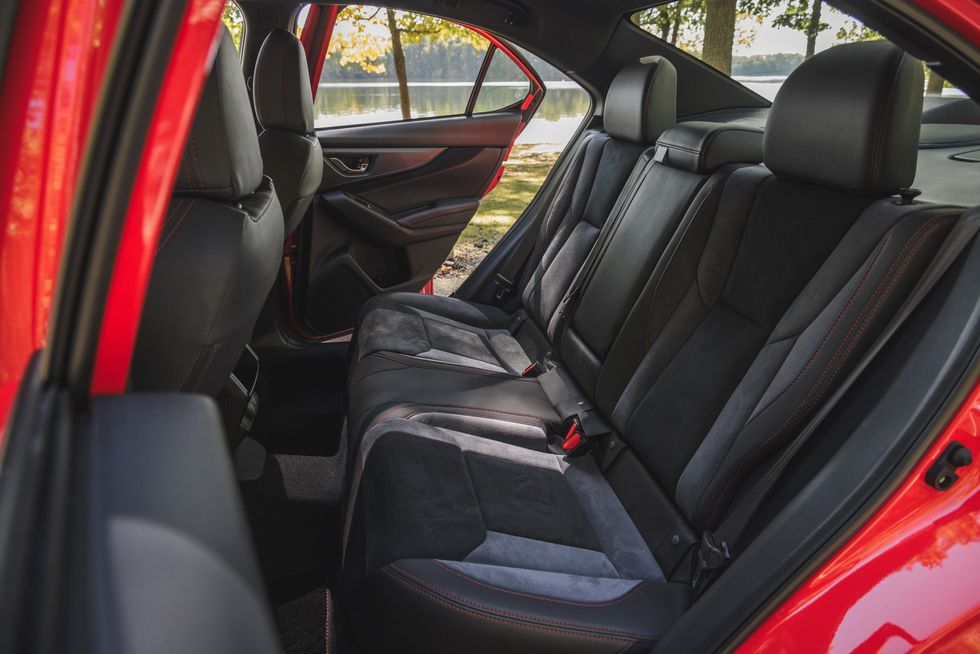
x,y
770,40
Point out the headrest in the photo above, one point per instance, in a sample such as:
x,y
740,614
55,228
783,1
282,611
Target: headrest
x,y
849,118
702,147
641,101
281,86
221,159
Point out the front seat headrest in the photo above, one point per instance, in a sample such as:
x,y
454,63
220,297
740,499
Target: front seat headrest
x,y
281,87
642,101
849,117
221,159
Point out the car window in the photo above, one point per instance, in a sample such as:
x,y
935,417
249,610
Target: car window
x,y
387,65
760,42
504,84
234,20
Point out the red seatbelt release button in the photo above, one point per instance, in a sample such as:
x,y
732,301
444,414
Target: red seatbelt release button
x,y
573,439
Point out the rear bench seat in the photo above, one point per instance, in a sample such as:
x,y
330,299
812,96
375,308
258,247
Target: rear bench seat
x,y
679,185
640,105
752,314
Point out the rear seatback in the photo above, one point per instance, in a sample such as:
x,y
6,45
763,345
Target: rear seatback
x,y
641,104
679,184
749,320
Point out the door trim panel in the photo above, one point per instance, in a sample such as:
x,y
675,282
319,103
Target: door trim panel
x,y
481,130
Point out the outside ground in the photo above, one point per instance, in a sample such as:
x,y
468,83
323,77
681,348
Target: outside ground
x,y
523,175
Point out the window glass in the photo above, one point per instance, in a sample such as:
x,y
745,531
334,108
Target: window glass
x,y
234,20
534,153
388,65
505,84
759,42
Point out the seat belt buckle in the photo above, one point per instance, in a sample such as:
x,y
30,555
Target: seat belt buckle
x,y
533,370
576,443
503,288
712,557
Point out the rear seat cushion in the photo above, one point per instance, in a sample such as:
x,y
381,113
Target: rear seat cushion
x,y
440,329
389,385
484,538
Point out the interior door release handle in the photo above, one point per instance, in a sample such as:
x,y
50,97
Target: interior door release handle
x,y
350,165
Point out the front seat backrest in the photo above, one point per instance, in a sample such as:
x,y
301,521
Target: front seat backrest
x,y
219,248
284,108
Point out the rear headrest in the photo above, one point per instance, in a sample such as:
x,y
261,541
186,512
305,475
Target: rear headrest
x,y
849,118
221,159
702,147
642,101
281,86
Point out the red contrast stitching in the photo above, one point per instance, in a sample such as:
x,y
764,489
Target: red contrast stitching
x,y
614,602
885,286
327,626
625,638
534,421
176,226
197,165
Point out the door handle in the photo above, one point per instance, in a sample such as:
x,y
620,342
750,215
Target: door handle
x,y
350,166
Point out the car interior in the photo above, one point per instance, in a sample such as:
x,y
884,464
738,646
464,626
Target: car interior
x,y
701,354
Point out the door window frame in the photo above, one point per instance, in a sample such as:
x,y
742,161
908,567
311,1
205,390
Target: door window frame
x,y
316,42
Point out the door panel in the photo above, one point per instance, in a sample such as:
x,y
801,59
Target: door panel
x,y
394,199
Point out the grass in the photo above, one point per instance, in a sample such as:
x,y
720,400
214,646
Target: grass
x,y
524,173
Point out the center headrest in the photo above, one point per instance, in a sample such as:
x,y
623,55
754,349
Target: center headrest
x,y
222,160
849,117
642,101
702,147
281,86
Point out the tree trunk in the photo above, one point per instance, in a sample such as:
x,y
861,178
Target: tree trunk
x,y
935,84
400,71
719,34
813,29
675,28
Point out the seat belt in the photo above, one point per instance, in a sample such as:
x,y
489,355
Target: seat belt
x,y
567,305
714,552
506,277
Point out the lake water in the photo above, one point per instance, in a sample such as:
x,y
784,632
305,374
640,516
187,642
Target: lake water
x,y
565,104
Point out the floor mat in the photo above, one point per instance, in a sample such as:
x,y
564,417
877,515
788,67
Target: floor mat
x,y
302,619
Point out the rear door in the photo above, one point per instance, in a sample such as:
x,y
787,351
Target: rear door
x,y
416,116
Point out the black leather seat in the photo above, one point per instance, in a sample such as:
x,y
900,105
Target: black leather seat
x,y
464,541
219,248
284,108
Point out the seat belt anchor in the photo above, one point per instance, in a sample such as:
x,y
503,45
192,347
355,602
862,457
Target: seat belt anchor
x,y
503,288
712,557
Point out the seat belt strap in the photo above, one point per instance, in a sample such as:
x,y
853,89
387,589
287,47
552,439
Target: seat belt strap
x,y
567,305
714,554
505,281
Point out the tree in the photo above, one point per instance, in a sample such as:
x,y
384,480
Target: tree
x,y
801,16
232,17
719,34
719,28
678,23
366,35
